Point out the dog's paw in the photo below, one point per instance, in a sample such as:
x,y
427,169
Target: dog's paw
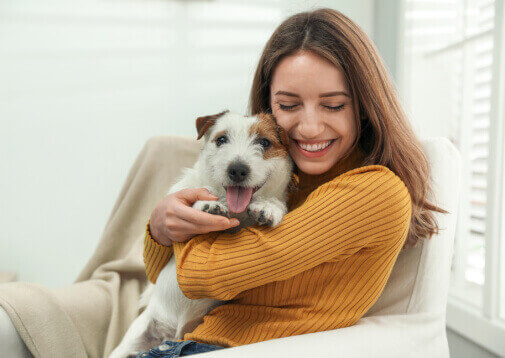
x,y
266,213
211,207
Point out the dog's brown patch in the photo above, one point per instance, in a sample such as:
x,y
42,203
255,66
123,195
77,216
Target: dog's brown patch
x,y
205,122
218,134
266,127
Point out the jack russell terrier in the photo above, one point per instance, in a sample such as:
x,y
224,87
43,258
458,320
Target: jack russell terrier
x,y
245,162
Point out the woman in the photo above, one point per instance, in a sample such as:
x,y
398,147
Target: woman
x,y
362,187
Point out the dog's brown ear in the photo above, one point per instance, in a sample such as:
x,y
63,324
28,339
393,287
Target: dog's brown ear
x,y
281,133
283,136
204,123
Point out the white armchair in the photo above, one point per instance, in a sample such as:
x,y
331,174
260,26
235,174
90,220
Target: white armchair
x,y
87,318
409,318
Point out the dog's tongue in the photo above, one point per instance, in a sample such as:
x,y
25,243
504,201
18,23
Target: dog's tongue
x,y
238,198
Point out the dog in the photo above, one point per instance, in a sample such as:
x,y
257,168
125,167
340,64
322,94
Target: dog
x,y
245,162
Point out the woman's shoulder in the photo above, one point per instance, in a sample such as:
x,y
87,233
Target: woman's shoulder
x,y
374,168
382,191
373,173
369,185
369,174
374,179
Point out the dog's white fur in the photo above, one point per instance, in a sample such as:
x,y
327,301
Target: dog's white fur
x,y
169,314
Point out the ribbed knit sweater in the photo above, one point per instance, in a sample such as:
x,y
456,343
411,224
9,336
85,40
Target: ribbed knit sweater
x,y
320,269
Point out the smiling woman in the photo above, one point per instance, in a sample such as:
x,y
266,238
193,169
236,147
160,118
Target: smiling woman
x,y
322,78
362,183
357,203
311,102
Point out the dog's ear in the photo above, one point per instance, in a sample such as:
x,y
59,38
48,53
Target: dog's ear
x,y
283,136
204,123
281,133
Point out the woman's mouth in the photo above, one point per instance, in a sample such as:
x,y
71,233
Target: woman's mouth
x,y
316,150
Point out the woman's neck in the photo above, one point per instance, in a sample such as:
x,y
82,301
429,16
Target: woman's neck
x,y
352,161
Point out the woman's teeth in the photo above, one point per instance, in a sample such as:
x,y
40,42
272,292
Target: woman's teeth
x,y
315,147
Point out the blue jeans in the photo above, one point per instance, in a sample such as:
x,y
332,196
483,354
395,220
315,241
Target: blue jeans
x,y
169,349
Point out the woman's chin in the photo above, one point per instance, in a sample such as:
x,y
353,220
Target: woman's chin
x,y
314,168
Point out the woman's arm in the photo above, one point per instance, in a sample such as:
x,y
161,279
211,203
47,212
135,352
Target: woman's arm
x,y
174,219
364,207
156,255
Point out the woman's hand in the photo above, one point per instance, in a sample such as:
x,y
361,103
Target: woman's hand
x,y
174,218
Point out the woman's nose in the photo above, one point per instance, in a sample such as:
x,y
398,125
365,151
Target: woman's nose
x,y
310,126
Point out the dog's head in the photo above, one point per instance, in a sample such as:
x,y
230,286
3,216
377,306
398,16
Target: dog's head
x,y
244,155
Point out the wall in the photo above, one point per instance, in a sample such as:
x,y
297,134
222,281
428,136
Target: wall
x,y
460,347
83,85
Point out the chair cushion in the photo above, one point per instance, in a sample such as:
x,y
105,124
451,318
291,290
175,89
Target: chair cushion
x,y
420,278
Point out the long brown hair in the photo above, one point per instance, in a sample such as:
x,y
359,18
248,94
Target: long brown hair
x,y
384,133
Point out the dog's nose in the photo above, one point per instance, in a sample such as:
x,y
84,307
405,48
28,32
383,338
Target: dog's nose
x,y
238,172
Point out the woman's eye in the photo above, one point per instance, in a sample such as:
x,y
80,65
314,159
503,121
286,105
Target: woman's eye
x,y
265,143
287,108
337,108
221,140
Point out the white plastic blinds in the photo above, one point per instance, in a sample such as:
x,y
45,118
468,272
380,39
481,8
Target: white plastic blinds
x,y
454,37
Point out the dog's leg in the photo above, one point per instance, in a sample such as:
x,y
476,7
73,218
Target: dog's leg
x,y
215,207
267,211
143,334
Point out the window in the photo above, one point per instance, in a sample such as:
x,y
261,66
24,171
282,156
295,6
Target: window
x,y
454,78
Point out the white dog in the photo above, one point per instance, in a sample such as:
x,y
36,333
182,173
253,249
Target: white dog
x,y
245,162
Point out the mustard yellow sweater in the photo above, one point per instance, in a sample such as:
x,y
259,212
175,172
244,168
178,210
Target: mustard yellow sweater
x,y
320,269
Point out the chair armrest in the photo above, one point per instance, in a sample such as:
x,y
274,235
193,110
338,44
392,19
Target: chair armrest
x,y
413,335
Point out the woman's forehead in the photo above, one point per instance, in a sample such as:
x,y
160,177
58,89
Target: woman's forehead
x,y
306,74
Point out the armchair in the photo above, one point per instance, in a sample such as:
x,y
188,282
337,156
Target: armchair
x,y
409,319
89,317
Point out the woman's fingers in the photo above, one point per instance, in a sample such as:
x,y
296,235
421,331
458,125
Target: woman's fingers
x,y
183,221
199,217
192,195
195,229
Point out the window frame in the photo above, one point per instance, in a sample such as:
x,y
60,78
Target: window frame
x,y
475,315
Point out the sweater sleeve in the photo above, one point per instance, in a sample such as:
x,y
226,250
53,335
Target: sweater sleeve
x,y
364,207
155,255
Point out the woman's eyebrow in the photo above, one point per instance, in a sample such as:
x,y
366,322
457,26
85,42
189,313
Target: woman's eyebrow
x,y
327,94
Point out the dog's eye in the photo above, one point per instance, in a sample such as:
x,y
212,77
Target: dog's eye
x,y
221,140
265,143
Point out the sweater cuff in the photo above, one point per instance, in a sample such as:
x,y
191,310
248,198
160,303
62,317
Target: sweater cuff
x,y
156,255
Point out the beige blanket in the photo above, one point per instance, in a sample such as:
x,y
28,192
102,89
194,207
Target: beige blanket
x,y
89,317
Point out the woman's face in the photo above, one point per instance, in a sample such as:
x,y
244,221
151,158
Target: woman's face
x,y
303,90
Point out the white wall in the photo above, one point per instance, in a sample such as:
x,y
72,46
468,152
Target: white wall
x,y
362,12
83,85
460,347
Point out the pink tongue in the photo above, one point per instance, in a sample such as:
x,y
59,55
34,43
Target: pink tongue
x,y
238,198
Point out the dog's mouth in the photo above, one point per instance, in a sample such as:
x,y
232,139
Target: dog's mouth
x,y
238,197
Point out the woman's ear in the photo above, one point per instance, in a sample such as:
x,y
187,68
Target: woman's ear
x,y
204,123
